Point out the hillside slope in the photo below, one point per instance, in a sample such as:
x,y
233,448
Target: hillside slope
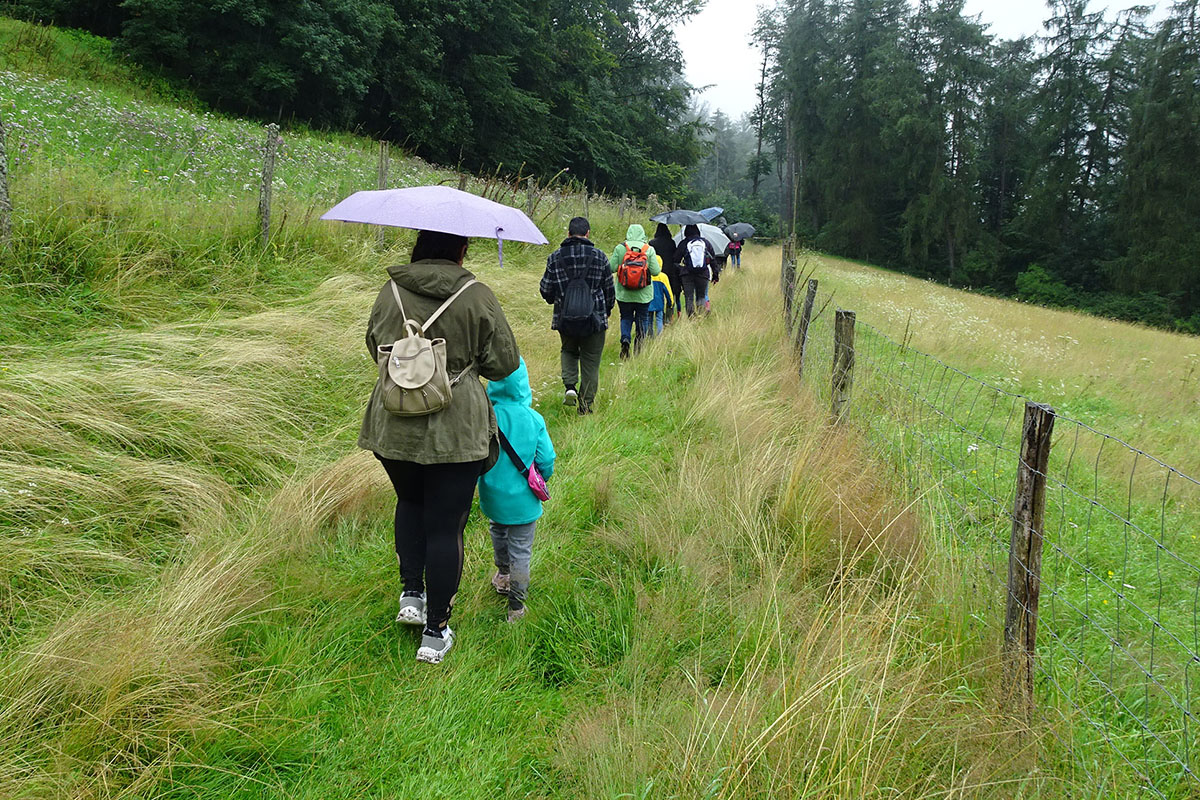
x,y
730,598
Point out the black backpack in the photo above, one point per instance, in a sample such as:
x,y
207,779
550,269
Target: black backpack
x,y
578,306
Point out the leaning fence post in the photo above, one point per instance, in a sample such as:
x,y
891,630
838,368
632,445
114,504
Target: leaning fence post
x,y
805,318
268,176
384,163
843,363
5,203
1025,554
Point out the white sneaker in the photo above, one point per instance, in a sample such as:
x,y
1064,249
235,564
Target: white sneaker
x,y
571,397
434,648
412,609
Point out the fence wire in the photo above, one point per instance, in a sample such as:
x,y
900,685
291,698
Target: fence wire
x,y
1118,639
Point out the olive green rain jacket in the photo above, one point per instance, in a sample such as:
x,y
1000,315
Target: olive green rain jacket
x,y
475,329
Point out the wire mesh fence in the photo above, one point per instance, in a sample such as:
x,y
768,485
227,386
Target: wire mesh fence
x,y
1118,624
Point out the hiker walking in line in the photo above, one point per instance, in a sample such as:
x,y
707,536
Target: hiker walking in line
x,y
664,244
434,460
577,282
735,252
634,264
506,491
696,263
663,305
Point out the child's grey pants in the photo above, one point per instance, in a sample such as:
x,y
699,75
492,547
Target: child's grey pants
x,y
512,547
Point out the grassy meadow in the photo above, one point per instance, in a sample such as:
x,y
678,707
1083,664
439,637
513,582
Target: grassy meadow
x,y
730,598
1118,625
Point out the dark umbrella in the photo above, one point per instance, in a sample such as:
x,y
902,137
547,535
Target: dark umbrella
x,y
740,230
680,216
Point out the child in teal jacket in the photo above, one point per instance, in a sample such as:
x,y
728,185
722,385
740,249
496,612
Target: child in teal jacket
x,y
504,493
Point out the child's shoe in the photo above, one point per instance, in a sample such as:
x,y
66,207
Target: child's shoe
x,y
516,610
500,582
412,609
435,645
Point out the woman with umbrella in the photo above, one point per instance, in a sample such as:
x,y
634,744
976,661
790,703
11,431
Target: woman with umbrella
x,y
433,460
696,260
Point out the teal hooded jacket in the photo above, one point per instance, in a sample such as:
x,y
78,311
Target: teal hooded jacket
x,y
636,235
504,493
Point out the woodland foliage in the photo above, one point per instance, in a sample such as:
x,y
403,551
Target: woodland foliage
x,y
1060,168
595,86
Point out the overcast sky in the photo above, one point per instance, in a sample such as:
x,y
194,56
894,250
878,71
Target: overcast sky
x,y
717,48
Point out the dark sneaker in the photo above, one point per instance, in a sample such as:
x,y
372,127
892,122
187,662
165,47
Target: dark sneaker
x,y
624,349
412,609
584,408
435,645
500,582
571,396
515,614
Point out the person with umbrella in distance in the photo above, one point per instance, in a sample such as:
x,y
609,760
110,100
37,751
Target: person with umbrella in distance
x,y
433,331
578,284
696,262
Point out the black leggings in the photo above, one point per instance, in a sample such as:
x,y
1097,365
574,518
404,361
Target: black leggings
x,y
432,504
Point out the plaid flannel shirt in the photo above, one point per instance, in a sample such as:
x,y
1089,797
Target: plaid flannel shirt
x,y
572,256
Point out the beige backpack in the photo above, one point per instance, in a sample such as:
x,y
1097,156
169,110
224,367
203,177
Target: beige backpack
x,y
412,370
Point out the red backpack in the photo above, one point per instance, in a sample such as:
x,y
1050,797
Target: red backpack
x,y
634,272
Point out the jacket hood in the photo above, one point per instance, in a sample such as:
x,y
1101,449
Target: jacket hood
x,y
513,389
432,278
636,234
691,231
662,231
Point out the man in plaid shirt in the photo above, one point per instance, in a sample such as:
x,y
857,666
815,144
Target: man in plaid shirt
x,y
578,260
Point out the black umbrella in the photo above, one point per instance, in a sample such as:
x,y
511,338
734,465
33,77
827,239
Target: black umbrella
x,y
680,217
740,230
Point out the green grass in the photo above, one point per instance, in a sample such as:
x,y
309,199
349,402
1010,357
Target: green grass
x,y
730,599
1117,616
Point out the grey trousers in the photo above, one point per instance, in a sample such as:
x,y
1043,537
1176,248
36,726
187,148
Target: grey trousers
x,y
581,363
512,548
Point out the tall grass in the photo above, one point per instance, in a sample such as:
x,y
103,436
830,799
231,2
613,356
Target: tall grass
x,y
729,599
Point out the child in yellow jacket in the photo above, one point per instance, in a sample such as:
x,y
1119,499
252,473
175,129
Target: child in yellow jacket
x,y
662,306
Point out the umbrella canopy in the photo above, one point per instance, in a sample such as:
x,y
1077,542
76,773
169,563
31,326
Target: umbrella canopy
x,y
711,213
740,230
438,208
711,234
680,216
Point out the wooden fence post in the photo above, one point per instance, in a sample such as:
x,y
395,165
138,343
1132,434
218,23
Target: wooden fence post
x,y
805,318
530,197
5,203
843,363
789,292
384,163
268,176
1025,555
462,183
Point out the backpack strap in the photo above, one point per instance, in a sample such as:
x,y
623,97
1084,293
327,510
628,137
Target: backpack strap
x,y
419,329
512,454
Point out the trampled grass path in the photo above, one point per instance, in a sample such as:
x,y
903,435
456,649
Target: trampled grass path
x,y
729,600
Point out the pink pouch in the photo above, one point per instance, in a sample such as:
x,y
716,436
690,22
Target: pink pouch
x,y
537,484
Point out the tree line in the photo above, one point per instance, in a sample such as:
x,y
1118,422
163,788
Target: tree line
x,y
1061,168
595,86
